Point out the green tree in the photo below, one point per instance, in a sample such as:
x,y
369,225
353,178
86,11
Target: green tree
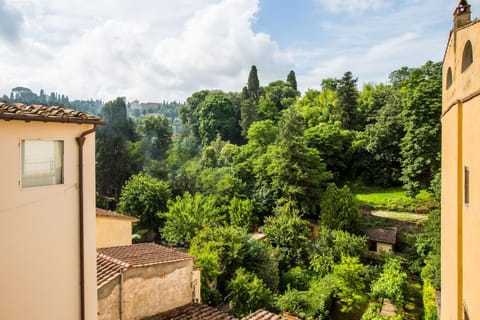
x,y
383,138
333,144
113,163
218,115
350,284
338,209
420,147
143,197
331,246
219,252
240,213
188,113
297,172
249,293
288,232
156,134
253,85
392,282
279,95
292,79
187,215
347,105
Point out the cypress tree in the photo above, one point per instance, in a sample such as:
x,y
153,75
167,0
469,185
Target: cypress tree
x,y
292,79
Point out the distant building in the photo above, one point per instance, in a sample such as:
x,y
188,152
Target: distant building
x,y
113,229
47,206
381,240
461,169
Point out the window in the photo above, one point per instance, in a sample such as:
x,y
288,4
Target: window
x,y
449,78
42,163
467,186
467,58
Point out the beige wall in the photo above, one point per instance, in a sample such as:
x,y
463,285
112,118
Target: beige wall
x,y
113,231
460,149
147,291
39,232
384,247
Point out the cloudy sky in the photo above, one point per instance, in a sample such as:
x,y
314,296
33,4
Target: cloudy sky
x,y
153,50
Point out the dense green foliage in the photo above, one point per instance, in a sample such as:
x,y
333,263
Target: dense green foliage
x,y
144,197
267,159
338,209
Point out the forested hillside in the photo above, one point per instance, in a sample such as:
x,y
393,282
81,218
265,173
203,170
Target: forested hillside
x,y
269,159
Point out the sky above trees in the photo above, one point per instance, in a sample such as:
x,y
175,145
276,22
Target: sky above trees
x,y
153,50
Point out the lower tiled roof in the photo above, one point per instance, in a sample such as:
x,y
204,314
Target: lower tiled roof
x,y
193,312
144,254
108,269
110,261
265,315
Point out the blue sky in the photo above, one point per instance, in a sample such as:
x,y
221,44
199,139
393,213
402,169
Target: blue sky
x,y
153,50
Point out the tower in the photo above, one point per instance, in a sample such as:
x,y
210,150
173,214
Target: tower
x,y
461,169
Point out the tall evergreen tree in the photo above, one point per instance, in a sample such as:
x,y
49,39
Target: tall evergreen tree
x,y
112,150
253,85
347,95
292,79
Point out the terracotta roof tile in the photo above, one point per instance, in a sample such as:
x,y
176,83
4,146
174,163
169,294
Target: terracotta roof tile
x,y
113,259
385,235
144,254
19,111
265,315
193,311
113,214
108,269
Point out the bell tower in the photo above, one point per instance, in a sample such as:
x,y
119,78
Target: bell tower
x,y
462,15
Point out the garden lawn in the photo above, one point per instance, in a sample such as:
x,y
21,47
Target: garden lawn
x,y
395,199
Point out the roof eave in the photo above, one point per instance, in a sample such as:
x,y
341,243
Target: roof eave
x,y
29,118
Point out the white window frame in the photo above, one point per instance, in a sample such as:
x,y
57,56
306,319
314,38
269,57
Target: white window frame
x,y
41,170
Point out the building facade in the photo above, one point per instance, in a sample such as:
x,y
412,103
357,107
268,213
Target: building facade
x,y
113,229
461,169
47,208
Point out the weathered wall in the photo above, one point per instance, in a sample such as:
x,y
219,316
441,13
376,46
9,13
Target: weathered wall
x,y
460,134
109,300
113,232
148,291
384,247
39,232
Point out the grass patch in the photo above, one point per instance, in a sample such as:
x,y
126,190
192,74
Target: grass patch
x,y
395,199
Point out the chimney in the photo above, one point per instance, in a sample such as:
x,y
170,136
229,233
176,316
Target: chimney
x,y
462,15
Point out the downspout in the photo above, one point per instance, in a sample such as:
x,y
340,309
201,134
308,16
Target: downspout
x,y
81,141
120,311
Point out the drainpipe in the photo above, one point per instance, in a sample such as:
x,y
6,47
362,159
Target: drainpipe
x,y
121,295
81,141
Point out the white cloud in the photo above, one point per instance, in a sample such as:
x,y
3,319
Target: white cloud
x,y
10,22
152,51
352,6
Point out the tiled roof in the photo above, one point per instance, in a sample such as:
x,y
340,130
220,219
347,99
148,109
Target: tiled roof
x,y
113,259
113,214
385,235
19,111
144,254
107,269
193,311
265,315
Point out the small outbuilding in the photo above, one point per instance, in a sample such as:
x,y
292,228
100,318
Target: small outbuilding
x,y
382,240
142,280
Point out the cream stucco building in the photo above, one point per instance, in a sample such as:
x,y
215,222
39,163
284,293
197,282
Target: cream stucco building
x,y
113,229
47,210
461,170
